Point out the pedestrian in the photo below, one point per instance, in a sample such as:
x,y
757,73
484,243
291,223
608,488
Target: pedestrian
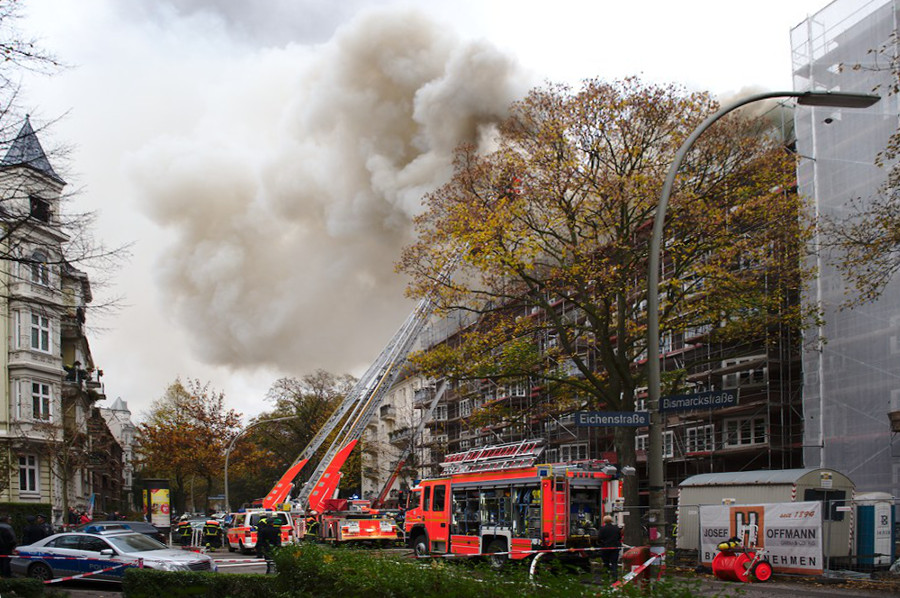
x,y
84,518
7,545
609,539
44,525
73,516
32,532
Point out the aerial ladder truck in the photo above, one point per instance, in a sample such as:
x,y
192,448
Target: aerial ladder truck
x,y
338,519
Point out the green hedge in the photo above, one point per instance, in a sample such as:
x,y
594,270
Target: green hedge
x,y
312,570
148,583
318,571
28,588
17,512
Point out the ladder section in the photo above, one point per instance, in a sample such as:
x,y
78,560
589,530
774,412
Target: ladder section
x,y
491,458
372,388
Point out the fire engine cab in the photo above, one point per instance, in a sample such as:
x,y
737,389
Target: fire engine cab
x,y
498,499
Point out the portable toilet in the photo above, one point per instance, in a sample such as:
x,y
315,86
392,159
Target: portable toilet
x,y
874,529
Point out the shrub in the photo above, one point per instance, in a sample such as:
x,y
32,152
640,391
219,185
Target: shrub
x,y
148,583
27,588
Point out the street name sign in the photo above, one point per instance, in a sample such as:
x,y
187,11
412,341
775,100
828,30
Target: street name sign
x,y
712,399
612,419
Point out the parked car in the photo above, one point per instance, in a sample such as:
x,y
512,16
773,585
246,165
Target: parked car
x,y
102,550
141,527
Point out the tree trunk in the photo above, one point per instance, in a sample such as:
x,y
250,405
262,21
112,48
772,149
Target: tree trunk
x,y
624,439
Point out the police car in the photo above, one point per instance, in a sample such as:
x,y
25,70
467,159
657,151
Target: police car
x,y
74,553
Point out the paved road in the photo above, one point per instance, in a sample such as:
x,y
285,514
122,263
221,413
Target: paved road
x,y
779,589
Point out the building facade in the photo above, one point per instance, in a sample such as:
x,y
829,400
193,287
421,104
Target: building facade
x,y
49,381
851,364
118,419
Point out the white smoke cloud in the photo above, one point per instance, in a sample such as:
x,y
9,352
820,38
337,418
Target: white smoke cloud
x,y
290,198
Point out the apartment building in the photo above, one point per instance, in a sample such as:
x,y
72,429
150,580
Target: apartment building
x,y
851,364
49,377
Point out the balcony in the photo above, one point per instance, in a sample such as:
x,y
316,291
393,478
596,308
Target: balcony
x,y
400,436
79,380
387,413
423,395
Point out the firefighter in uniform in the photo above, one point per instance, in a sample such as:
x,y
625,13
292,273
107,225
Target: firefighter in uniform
x,y
268,537
312,525
184,532
212,534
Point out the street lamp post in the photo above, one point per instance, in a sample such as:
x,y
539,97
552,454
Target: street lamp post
x,y
656,515
231,446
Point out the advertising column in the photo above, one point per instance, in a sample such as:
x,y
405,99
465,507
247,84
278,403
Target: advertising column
x,y
157,504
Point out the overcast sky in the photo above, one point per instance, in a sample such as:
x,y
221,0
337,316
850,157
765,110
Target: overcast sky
x,y
266,157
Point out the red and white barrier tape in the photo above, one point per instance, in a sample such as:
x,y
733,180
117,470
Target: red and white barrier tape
x,y
245,561
455,555
638,570
83,575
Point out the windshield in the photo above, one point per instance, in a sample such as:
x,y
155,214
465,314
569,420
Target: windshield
x,y
135,543
282,517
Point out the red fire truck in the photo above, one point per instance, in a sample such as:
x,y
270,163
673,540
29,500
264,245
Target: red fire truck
x,y
498,499
355,521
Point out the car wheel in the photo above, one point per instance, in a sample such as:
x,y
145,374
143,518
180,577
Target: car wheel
x,y
230,547
40,571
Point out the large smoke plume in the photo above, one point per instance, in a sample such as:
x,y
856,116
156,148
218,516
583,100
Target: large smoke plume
x,y
289,202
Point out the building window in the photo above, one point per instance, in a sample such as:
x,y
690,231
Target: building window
x,y
518,388
40,401
668,445
642,443
745,431
552,456
39,208
40,333
440,413
700,439
574,452
29,474
465,408
40,271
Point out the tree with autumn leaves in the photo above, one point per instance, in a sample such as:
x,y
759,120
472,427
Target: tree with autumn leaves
x,y
551,227
184,438
267,450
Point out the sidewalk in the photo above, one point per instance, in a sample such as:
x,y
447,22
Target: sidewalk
x,y
791,586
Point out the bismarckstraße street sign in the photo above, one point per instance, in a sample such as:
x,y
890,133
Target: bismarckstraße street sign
x,y
712,399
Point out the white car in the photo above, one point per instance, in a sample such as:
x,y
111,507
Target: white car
x,y
100,551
